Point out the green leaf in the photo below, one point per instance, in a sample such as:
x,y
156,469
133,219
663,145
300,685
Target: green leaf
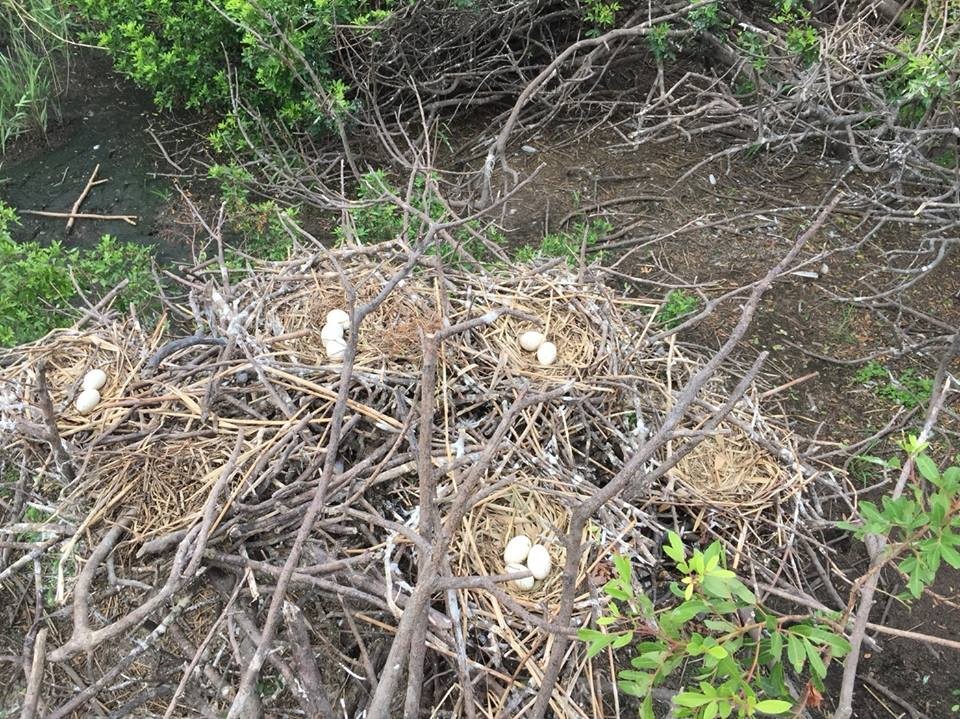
x,y
632,688
719,625
950,555
839,646
928,468
623,640
915,584
690,699
717,652
795,652
646,605
773,706
816,661
622,566
688,610
716,587
614,589
674,548
776,647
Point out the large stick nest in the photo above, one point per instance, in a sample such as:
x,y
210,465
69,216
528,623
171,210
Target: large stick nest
x,y
227,435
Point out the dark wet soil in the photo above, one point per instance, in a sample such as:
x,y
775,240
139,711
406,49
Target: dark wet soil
x,y
104,121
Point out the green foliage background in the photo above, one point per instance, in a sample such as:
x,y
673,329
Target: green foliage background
x,y
185,51
37,287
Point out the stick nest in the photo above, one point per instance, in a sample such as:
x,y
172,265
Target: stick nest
x,y
223,423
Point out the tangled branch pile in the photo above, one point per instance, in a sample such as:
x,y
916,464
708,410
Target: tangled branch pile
x,y
237,504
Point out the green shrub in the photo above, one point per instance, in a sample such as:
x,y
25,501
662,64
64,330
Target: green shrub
x,y
378,219
567,244
922,525
182,50
919,72
258,224
726,666
908,389
36,289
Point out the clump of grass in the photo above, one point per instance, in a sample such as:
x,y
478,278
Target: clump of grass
x,y
568,244
32,46
678,305
909,389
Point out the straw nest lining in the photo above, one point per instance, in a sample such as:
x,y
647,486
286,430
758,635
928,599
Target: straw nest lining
x,y
389,336
67,356
539,507
728,470
581,317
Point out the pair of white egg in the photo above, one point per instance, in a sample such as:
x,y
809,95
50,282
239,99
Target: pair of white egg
x,y
533,341
519,550
332,334
89,397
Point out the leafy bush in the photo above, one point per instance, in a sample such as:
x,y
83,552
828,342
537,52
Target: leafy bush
x,y
377,219
36,289
259,227
182,50
923,527
727,666
600,14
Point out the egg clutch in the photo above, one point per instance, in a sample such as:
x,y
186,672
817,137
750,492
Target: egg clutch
x,y
533,341
521,555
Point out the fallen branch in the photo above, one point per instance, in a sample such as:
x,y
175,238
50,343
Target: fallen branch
x,y
129,219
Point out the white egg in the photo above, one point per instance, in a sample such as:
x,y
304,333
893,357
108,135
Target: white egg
x,y
331,332
526,584
94,379
517,549
531,341
335,348
538,561
547,353
338,317
87,400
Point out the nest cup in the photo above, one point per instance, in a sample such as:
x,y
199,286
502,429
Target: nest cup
x,y
69,356
730,471
388,336
164,484
534,507
577,336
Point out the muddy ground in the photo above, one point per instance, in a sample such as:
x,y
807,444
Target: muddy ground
x,y
106,121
